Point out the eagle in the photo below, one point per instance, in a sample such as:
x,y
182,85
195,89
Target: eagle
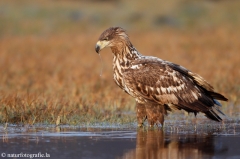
x,y
157,85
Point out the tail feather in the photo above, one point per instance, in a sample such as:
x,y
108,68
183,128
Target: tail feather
x,y
218,110
212,114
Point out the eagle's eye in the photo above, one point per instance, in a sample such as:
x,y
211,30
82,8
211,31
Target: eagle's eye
x,y
106,38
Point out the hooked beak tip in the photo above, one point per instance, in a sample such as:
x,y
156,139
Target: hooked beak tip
x,y
97,49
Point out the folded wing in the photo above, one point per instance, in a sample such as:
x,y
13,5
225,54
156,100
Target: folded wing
x,y
166,83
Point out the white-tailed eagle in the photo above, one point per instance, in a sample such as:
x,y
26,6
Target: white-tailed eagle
x,y
157,85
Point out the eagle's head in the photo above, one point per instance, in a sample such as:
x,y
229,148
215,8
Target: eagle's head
x,y
112,37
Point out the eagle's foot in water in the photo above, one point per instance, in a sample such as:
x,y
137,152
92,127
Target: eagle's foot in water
x,y
141,114
141,121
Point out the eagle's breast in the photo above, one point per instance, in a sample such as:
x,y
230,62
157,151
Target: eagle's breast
x,y
119,66
118,72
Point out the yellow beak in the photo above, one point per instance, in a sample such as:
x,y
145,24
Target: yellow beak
x,y
100,45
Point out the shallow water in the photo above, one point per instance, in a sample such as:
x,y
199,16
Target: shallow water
x,y
127,143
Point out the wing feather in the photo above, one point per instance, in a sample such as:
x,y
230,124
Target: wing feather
x,y
155,80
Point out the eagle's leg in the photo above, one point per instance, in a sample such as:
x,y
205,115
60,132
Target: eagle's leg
x,y
141,114
155,114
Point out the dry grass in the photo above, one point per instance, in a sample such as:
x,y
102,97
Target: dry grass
x,y
46,77
49,76
43,78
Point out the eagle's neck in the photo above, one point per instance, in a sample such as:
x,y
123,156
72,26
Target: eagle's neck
x,y
122,58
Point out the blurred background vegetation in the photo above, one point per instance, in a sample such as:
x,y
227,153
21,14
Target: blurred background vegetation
x,y
49,72
78,16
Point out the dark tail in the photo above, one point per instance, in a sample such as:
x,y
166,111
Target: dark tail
x,y
212,114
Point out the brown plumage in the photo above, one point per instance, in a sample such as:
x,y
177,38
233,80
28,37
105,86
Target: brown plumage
x,y
157,85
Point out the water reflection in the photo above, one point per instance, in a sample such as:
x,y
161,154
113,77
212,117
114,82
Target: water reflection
x,y
155,144
120,143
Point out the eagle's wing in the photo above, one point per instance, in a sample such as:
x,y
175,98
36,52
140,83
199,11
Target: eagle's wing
x,y
157,80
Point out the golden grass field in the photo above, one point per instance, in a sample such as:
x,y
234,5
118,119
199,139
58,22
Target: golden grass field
x,y
54,77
